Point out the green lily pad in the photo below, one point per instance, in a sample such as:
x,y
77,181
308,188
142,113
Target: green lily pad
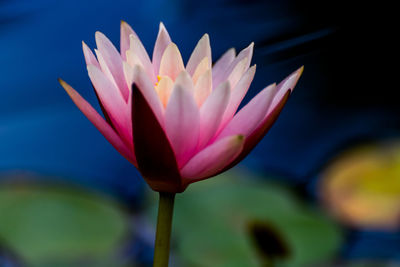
x,y
235,220
54,224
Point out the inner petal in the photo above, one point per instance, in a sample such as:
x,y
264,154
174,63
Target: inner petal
x,y
201,69
164,89
133,59
171,62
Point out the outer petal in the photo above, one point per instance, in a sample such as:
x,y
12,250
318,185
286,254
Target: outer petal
x,y
106,130
112,101
270,118
90,59
287,84
259,133
201,51
212,159
155,157
163,40
138,49
237,95
223,63
211,112
105,69
149,93
171,62
114,62
126,31
182,123
250,115
245,53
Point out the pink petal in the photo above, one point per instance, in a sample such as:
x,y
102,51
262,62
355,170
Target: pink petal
x,y
163,40
105,129
245,121
138,49
238,72
112,101
155,157
182,123
287,84
185,81
271,116
89,57
237,95
164,89
126,31
105,69
148,91
203,88
171,62
201,51
113,61
211,112
212,159
223,63
259,133
202,67
245,53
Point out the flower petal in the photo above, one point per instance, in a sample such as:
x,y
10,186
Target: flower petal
x,y
223,63
171,62
259,133
182,123
126,31
245,121
202,67
104,68
90,59
133,59
245,53
238,72
155,157
237,95
203,88
287,84
163,40
113,60
185,81
146,88
112,101
211,112
212,159
201,51
105,129
138,49
271,116
164,89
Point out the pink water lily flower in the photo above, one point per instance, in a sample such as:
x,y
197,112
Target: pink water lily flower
x,y
177,123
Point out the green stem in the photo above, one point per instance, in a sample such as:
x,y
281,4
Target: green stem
x,y
164,225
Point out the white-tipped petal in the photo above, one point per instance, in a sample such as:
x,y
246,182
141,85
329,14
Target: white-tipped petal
x,y
163,40
202,50
171,62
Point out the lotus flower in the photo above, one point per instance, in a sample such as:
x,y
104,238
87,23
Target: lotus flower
x,y
177,124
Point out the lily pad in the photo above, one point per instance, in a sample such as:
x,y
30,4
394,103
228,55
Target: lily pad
x,y
235,220
43,224
364,179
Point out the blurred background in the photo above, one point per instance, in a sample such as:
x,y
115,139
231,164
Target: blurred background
x,y
321,189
